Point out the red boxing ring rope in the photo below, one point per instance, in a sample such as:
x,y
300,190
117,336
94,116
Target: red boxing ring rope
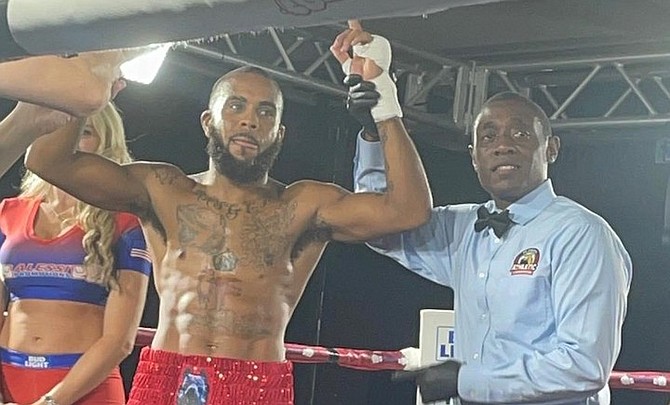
x,y
640,380
351,358
377,360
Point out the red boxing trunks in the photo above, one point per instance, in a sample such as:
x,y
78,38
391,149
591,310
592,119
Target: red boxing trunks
x,y
167,378
27,377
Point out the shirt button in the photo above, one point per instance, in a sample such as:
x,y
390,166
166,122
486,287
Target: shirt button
x,y
475,356
482,275
483,316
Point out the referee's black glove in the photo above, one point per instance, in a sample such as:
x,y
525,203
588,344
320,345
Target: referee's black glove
x,y
436,383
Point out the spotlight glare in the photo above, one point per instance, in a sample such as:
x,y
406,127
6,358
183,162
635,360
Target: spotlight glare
x,y
144,68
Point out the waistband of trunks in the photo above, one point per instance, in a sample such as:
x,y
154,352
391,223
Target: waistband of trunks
x,y
38,361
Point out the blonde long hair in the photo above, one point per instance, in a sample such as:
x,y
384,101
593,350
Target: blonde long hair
x,y
98,224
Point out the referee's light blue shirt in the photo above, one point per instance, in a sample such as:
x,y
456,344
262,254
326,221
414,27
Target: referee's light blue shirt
x,y
539,311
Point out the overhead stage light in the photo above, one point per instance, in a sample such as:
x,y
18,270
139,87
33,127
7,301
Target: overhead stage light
x,y
144,68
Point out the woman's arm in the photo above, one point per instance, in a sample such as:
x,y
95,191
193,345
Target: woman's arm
x,y
3,302
122,318
22,126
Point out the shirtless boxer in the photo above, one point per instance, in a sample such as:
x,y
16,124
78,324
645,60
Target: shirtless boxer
x,y
234,248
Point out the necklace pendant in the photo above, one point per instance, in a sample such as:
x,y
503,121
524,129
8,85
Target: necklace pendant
x,y
224,261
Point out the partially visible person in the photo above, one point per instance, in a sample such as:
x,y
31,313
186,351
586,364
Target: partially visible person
x,y
235,248
79,85
17,132
540,282
75,87
75,279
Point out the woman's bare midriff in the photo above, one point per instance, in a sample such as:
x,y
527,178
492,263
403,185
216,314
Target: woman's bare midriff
x,y
51,327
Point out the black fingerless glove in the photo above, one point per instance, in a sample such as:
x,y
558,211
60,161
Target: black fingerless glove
x,y
436,383
362,97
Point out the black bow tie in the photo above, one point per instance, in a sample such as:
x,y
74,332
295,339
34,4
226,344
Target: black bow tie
x,y
498,221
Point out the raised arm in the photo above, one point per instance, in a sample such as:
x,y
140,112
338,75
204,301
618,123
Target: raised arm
x,y
407,202
17,133
89,177
79,85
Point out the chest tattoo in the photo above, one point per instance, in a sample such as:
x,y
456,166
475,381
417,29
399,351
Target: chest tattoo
x,y
201,228
230,210
265,233
260,228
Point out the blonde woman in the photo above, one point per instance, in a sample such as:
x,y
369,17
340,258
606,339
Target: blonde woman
x,y
75,278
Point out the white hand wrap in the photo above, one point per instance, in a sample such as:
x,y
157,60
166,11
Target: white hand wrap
x,y
412,360
379,50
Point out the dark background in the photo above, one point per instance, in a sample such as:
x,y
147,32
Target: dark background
x,y
359,299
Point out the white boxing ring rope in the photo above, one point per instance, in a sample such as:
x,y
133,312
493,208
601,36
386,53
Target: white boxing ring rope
x,y
34,27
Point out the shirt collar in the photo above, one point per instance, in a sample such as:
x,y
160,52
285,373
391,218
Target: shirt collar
x,y
529,206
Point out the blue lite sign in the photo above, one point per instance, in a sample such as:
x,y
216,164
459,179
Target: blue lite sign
x,y
445,343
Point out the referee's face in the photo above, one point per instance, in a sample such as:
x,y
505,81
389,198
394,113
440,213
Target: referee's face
x,y
510,152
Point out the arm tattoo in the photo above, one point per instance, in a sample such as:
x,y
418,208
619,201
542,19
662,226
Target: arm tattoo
x,y
165,176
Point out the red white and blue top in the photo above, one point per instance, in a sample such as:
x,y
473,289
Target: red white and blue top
x,y
53,269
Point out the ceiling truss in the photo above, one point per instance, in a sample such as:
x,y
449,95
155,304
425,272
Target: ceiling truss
x,y
578,93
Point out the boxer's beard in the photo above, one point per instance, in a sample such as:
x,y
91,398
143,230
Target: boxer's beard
x,y
240,171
